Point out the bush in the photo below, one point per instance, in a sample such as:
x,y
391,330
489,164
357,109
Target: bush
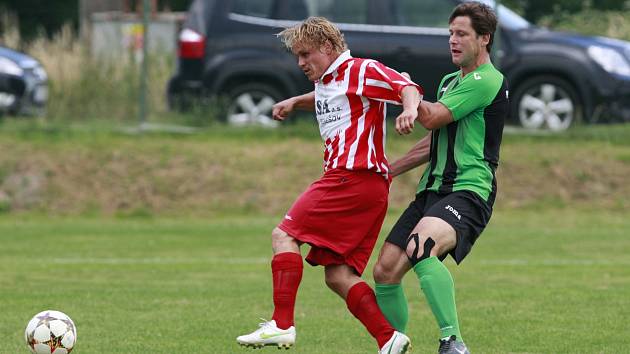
x,y
592,22
82,87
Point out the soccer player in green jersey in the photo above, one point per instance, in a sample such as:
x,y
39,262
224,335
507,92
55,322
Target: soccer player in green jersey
x,y
456,193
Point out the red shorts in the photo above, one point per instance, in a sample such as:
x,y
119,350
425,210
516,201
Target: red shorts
x,y
340,216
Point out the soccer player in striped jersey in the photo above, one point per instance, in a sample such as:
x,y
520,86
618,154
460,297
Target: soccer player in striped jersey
x,y
456,193
339,215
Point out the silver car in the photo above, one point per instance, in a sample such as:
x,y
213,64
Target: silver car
x,y
23,84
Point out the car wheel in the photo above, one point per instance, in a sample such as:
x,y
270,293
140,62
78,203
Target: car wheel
x,y
546,102
252,104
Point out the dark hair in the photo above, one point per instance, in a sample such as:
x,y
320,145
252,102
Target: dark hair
x,y
482,18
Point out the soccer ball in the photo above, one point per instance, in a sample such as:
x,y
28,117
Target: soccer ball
x,y
50,332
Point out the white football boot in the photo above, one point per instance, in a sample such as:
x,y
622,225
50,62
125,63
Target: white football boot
x,y
269,334
397,344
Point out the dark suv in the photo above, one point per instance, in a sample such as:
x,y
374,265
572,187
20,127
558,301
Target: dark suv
x,y
229,48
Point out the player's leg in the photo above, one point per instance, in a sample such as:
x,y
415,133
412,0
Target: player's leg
x,y
430,239
388,272
361,302
286,267
287,264
451,225
392,265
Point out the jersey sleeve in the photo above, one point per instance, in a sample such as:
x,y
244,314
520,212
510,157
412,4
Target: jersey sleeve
x,y
470,94
382,83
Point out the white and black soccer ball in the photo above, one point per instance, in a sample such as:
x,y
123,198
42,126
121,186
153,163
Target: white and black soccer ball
x,y
50,332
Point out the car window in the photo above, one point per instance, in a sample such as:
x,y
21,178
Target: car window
x,y
346,11
196,17
427,13
510,19
257,8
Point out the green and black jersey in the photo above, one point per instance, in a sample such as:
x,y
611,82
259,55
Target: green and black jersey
x,y
465,153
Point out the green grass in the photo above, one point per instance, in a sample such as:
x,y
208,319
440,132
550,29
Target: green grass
x,y
98,169
545,281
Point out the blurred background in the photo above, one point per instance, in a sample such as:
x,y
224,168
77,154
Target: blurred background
x,y
92,50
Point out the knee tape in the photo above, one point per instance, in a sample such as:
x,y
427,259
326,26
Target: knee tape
x,y
428,246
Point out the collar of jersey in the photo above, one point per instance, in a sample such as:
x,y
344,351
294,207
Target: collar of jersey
x,y
340,60
477,69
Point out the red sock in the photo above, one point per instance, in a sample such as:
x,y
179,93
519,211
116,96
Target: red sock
x,y
287,274
361,302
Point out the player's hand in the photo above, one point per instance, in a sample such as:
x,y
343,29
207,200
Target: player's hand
x,y
405,121
406,74
282,109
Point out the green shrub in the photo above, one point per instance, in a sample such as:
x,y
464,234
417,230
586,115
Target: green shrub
x,y
592,22
82,87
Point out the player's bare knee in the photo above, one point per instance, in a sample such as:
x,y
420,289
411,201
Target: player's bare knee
x,y
379,273
418,249
278,234
391,265
385,273
279,239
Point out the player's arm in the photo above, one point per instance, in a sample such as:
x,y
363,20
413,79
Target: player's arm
x,y
385,84
434,115
410,98
418,155
304,102
430,115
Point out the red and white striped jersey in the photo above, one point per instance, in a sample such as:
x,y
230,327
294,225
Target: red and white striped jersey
x,y
350,105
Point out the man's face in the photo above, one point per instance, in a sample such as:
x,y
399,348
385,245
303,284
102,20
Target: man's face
x,y
314,60
466,45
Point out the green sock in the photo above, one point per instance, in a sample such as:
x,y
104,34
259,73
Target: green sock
x,y
437,284
393,303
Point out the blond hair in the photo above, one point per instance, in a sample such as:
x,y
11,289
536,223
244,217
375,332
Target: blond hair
x,y
314,31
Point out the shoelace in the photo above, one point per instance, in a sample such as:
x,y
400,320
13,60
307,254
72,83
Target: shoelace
x,y
264,323
445,345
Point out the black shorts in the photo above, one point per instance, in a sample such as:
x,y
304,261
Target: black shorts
x,y
465,211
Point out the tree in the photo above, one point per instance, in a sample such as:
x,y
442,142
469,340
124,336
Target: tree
x,y
534,10
47,16
36,16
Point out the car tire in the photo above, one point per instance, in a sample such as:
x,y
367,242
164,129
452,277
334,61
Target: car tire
x,y
546,103
252,104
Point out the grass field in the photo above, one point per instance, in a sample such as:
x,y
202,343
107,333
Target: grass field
x,y
545,281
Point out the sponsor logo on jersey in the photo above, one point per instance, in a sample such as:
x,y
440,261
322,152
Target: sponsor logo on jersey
x,y
324,108
326,113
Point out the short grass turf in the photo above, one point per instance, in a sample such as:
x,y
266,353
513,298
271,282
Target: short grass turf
x,y
543,281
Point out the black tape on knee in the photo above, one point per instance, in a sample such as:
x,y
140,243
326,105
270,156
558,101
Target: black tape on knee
x,y
428,246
